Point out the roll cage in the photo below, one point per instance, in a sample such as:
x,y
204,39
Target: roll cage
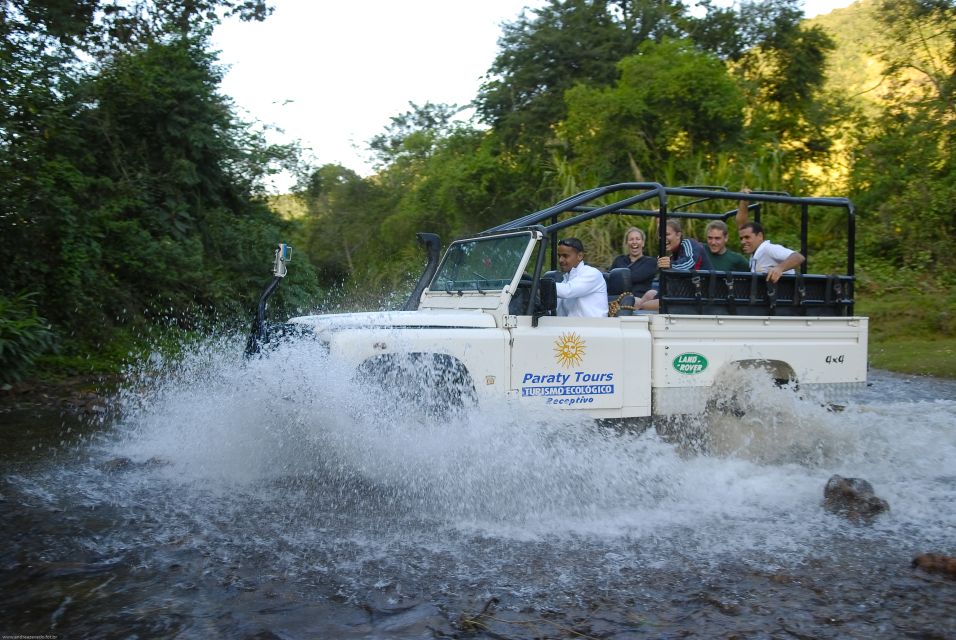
x,y
738,293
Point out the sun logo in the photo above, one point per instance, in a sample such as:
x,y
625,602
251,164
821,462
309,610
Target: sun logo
x,y
569,350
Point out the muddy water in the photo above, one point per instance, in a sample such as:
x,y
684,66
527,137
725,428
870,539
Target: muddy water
x,y
276,499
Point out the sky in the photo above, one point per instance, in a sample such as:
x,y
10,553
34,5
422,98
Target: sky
x,y
332,74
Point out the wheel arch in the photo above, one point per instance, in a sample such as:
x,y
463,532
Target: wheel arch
x,y
779,370
440,372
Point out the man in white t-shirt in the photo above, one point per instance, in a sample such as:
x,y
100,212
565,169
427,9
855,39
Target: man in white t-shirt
x,y
767,257
583,293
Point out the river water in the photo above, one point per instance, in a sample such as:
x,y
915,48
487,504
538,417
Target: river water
x,y
276,499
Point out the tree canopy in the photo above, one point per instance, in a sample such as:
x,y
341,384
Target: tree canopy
x,y
128,184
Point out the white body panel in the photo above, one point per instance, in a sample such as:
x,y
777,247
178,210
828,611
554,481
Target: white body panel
x,y
695,351
599,365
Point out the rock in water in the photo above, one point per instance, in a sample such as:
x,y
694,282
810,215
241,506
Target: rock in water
x,y
853,498
116,465
936,563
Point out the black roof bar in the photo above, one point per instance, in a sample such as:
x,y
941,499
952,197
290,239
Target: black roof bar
x,y
578,204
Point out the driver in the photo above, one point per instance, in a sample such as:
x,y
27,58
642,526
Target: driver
x,y
583,292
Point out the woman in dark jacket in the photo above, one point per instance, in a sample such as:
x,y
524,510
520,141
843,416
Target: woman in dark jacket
x,y
683,254
643,268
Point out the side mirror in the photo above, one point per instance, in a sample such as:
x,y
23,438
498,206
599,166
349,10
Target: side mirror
x,y
549,300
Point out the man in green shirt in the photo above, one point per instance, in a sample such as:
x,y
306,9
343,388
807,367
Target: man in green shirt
x,y
720,257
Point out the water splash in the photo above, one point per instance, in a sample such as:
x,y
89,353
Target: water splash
x,y
755,418
295,423
214,417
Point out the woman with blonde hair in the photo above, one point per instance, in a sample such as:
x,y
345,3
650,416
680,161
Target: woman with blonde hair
x,y
643,268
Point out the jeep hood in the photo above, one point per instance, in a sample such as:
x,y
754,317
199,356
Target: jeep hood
x,y
384,319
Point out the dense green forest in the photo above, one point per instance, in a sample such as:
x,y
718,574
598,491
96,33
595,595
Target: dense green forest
x,y
131,197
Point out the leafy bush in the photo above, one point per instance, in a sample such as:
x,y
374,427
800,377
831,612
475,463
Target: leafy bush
x,y
24,335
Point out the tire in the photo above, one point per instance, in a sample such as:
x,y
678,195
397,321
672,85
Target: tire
x,y
435,384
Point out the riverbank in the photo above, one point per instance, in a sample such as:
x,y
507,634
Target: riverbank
x,y
81,395
912,332
78,377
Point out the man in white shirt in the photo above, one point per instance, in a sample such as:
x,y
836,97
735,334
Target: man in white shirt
x,y
774,259
583,293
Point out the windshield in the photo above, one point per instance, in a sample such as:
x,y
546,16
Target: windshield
x,y
481,264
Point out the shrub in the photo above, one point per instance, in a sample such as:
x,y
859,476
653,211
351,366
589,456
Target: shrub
x,y
24,335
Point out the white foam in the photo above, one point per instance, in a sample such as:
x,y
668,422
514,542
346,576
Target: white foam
x,y
506,470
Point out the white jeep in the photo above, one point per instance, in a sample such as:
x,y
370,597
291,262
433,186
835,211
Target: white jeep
x,y
482,321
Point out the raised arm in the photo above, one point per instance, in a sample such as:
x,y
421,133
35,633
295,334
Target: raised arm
x,y
743,210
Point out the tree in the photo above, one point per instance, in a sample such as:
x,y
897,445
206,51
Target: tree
x,y
670,101
464,185
412,136
341,218
564,43
783,74
903,176
126,182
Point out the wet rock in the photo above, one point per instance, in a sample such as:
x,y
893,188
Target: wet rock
x,y
389,600
70,569
86,403
422,621
853,498
471,621
724,606
266,635
117,465
936,563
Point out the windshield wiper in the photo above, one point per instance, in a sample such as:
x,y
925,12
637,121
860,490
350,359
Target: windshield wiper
x,y
482,279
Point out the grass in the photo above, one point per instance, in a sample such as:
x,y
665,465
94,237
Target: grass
x,y
916,355
912,332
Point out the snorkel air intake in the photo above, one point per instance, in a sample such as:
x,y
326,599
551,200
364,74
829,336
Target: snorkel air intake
x,y
260,333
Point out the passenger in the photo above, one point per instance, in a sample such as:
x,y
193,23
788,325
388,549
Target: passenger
x,y
774,259
583,293
722,258
683,254
643,268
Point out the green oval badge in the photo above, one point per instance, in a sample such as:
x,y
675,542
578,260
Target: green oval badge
x,y
690,363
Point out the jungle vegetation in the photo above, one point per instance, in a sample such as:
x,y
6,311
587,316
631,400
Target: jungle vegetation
x,y
131,193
